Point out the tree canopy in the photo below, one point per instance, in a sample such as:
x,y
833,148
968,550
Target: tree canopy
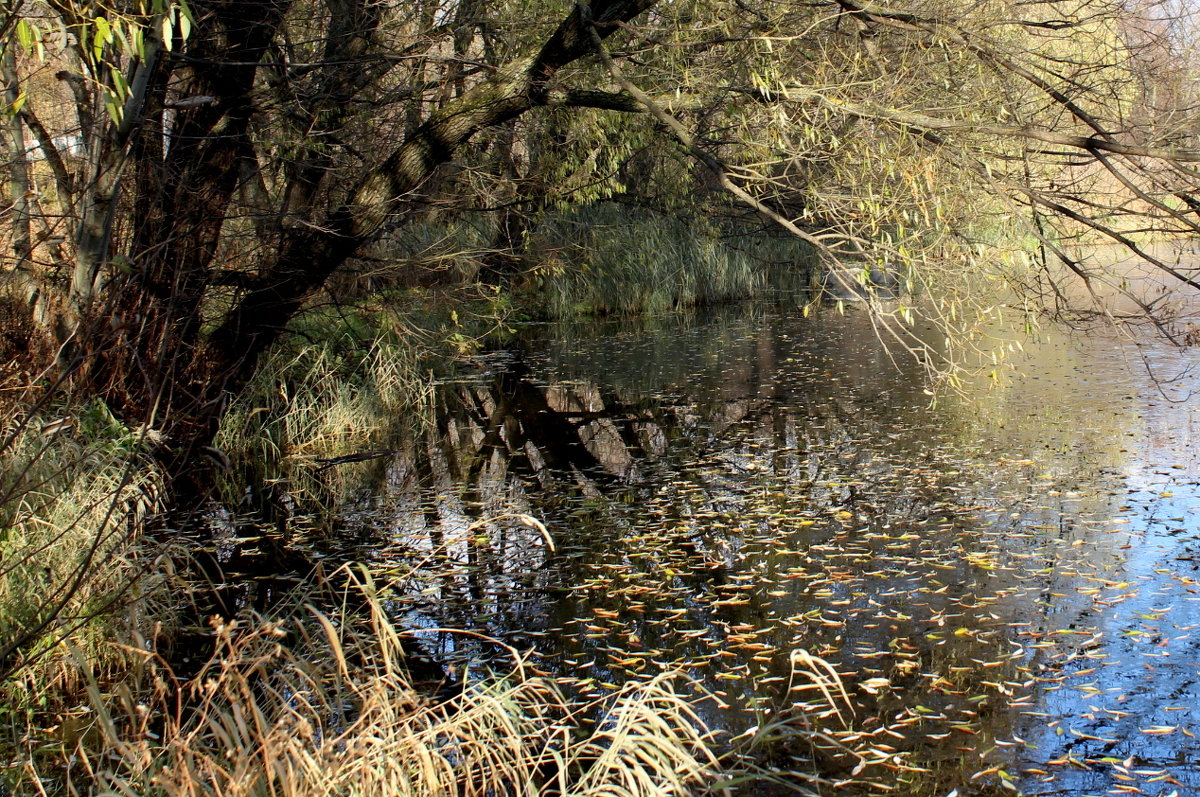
x,y
185,176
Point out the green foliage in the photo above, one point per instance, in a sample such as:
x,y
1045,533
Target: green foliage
x,y
109,38
605,258
587,156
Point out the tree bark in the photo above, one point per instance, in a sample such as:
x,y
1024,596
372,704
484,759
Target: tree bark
x,y
18,169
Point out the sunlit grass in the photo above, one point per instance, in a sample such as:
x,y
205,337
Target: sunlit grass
x,y
311,703
75,487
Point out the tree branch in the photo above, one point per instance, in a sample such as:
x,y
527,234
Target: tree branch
x,y
710,161
308,255
54,159
922,122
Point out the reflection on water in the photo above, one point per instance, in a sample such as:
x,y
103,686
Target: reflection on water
x,y
1009,583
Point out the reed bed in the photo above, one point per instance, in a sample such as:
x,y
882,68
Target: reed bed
x,y
600,258
605,258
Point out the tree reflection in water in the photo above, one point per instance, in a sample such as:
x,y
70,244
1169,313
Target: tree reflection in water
x,y
732,492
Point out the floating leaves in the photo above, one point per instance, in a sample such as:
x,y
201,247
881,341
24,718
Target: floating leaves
x,y
980,599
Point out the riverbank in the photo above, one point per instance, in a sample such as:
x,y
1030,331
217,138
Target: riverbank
x,y
128,687
343,450
118,678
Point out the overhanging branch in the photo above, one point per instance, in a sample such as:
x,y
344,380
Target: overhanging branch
x,y
923,122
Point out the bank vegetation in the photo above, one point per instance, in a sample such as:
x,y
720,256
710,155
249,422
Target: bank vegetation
x,y
236,233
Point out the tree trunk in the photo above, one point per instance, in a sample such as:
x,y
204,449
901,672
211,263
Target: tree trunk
x,y
18,172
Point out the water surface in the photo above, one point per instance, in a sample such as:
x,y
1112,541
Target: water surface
x,y
1008,582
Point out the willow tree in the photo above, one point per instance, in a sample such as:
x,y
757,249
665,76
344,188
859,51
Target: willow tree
x,y
977,152
214,194
203,168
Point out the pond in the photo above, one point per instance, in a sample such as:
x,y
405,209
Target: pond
x,y
1007,582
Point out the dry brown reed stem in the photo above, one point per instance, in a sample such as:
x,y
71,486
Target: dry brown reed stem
x,y
316,704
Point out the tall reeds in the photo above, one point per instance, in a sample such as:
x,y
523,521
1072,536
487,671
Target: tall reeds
x,y
606,258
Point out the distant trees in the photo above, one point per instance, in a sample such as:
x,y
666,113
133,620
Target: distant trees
x,y
184,176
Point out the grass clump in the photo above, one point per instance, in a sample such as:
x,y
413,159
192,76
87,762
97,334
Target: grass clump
x,y
76,570
315,702
338,390
75,487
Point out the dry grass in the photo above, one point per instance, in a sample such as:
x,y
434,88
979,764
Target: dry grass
x,y
74,490
314,705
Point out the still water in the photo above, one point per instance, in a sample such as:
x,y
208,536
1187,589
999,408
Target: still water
x,y
1007,581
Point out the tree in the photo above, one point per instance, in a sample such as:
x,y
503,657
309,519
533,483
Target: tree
x,y
235,155
184,88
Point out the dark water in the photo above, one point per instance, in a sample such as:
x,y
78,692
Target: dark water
x,y
1008,583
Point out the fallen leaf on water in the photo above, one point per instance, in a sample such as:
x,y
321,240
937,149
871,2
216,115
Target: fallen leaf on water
x,y
1160,730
